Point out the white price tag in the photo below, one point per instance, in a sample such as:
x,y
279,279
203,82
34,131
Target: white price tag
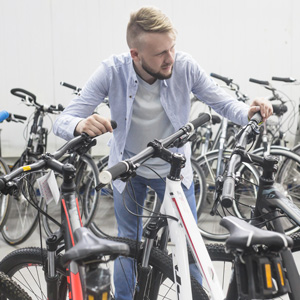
x,y
48,187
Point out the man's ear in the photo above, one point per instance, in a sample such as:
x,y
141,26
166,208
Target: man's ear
x,y
134,54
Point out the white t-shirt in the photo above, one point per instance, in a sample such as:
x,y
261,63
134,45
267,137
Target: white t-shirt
x,y
149,122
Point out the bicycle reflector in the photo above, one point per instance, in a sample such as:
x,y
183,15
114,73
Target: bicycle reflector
x,y
260,276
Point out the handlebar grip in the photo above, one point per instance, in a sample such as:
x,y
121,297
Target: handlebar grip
x,y
60,107
113,124
227,80
216,119
70,86
284,79
2,184
279,109
228,196
257,118
3,115
21,92
19,117
263,82
202,119
112,173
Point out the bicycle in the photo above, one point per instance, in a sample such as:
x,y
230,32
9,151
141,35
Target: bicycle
x,y
152,261
213,163
271,205
174,201
23,217
84,251
248,180
4,167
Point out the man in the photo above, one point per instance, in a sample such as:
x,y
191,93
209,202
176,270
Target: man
x,y
149,95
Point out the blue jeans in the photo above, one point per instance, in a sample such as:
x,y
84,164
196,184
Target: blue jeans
x,y
131,226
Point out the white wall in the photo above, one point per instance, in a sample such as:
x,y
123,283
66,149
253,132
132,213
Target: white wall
x,y
43,42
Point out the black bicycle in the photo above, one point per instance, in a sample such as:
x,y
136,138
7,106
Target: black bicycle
x,y
271,210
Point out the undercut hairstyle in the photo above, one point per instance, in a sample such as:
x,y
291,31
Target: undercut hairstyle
x,y
147,19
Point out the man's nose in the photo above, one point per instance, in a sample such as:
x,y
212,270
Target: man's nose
x,y
169,57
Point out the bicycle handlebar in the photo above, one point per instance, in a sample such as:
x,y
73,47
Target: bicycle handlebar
x,y
21,93
79,144
239,154
279,109
31,98
227,80
4,115
70,86
125,166
262,82
284,79
232,86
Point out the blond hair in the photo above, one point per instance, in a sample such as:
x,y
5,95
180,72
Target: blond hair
x,y
147,19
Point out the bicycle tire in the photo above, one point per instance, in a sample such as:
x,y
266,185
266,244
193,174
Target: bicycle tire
x,y
22,259
287,179
4,203
9,289
199,185
86,179
245,191
26,266
22,217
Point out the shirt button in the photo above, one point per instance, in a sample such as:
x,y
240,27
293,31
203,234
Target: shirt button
x,y
130,96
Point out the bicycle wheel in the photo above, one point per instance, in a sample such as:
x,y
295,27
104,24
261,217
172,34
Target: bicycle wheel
x,y
199,184
27,267
246,192
23,216
9,289
86,179
287,179
4,203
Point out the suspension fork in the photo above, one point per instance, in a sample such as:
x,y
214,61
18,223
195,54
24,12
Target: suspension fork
x,y
51,276
147,287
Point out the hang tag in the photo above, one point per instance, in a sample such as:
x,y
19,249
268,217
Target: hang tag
x,y
48,187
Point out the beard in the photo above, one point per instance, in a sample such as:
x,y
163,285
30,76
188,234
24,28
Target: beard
x,y
156,75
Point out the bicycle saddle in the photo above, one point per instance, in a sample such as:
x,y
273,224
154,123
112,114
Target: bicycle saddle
x,y
244,235
89,247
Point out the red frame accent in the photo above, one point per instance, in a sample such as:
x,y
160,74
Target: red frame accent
x,y
75,291
175,201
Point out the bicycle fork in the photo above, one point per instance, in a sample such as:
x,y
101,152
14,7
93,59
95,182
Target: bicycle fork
x,y
147,287
51,275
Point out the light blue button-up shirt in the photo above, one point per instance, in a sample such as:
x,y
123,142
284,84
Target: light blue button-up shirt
x,y
116,78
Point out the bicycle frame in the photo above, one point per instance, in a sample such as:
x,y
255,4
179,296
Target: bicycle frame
x,y
176,205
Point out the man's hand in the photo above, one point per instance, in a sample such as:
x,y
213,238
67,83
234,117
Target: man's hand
x,y
262,105
93,125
